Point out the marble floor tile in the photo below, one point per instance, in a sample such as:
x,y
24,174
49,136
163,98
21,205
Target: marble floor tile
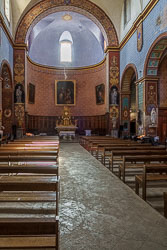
x,y
98,211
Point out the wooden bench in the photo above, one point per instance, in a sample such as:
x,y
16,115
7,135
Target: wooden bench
x,y
93,144
117,152
29,225
29,159
117,155
151,173
99,147
165,204
137,161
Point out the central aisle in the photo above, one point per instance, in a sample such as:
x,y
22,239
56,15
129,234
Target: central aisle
x,y
98,211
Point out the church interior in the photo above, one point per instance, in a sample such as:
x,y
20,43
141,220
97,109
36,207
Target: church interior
x,y
83,124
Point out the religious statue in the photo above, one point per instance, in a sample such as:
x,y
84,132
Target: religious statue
x,y
153,116
114,96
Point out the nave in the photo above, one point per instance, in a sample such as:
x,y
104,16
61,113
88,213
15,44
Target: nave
x,y
98,211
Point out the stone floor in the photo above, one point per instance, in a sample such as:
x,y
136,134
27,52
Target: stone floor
x,y
98,211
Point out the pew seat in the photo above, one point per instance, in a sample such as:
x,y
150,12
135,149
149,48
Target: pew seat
x,y
165,204
152,173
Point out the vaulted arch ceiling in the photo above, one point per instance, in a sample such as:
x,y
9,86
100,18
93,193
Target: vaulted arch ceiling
x,y
112,8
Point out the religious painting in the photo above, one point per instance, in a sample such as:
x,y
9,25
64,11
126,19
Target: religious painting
x,y
114,96
65,92
140,37
31,93
19,96
100,94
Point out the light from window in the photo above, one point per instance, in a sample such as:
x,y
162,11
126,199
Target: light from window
x,y
7,9
65,51
127,11
66,47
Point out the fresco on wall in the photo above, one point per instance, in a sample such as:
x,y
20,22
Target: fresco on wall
x,y
140,37
125,108
100,94
114,71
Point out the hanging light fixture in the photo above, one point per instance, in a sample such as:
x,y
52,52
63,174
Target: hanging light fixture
x,y
65,75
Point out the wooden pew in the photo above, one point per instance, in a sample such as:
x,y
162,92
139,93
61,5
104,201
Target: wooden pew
x,y
165,204
100,147
151,173
118,151
28,152
117,155
137,161
93,144
28,226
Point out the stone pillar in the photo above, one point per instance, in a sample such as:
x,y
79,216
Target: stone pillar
x,y
114,91
151,106
125,113
19,89
1,101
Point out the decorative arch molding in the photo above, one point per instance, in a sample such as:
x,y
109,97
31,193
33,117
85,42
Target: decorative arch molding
x,y
85,7
9,67
126,112
6,104
154,55
127,75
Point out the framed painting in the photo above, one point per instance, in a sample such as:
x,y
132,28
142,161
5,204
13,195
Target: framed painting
x,y
65,92
100,94
31,93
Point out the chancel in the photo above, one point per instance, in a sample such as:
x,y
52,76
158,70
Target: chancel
x,y
83,124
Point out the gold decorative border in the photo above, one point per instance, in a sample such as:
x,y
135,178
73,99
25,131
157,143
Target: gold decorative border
x,y
67,68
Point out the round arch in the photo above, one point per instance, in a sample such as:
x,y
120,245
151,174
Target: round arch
x,y
127,75
7,96
154,55
153,71
128,100
87,8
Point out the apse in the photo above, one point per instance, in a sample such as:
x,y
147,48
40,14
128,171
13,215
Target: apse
x,y
86,40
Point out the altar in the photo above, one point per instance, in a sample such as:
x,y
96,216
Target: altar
x,y
66,126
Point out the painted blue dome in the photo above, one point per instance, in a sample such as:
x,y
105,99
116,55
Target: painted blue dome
x,y
87,40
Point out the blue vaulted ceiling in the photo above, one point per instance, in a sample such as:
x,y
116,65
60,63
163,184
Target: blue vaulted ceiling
x,y
88,41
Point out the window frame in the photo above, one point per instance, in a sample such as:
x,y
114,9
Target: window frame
x,y
61,53
127,11
7,14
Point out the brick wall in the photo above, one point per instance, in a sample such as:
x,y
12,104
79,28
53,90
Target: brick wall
x,y
86,80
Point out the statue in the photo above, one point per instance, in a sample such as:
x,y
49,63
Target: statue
x,y
153,116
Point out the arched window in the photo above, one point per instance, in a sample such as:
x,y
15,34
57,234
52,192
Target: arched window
x,y
66,47
127,11
7,9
